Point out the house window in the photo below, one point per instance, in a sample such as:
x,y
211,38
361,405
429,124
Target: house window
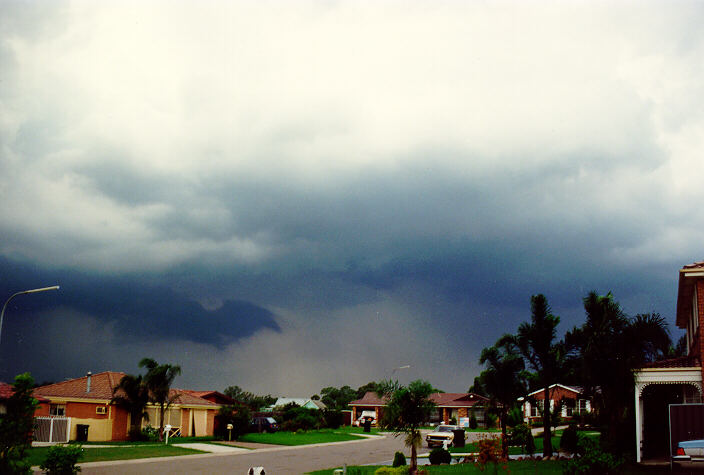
x,y
569,407
537,408
582,406
57,410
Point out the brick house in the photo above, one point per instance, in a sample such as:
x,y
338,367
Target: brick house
x,y
673,381
86,401
569,399
449,405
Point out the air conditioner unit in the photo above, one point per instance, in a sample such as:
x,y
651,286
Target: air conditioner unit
x,y
101,410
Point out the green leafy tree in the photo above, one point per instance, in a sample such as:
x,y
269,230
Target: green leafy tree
x,y
606,348
252,400
407,409
503,379
132,394
158,380
537,343
338,398
16,427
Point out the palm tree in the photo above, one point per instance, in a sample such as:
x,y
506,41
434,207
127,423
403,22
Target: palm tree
x,y
158,380
132,394
536,341
406,411
503,379
606,349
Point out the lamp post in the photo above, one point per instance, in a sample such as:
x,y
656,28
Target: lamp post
x,y
32,291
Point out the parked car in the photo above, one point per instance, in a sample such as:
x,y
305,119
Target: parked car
x,y
690,450
263,424
366,415
440,434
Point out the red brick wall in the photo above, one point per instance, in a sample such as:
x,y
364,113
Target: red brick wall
x,y
42,410
84,410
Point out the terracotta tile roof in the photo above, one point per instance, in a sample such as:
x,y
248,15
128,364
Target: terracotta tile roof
x,y
101,386
370,398
186,397
440,399
682,362
457,399
694,265
6,390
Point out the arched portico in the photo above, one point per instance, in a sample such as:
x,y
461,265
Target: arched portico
x,y
690,378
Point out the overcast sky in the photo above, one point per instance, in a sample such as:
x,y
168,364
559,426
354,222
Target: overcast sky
x,y
292,195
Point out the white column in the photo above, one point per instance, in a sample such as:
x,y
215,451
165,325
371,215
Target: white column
x,y
639,422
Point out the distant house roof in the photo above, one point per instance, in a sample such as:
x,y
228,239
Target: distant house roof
x,y
212,396
187,398
6,390
685,291
101,386
574,389
300,401
370,398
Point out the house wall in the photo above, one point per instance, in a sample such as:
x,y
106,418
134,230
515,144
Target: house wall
x,y
185,423
557,393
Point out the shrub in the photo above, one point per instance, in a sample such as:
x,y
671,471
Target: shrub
x,y
16,424
491,419
593,460
518,435
490,451
514,417
568,441
453,421
332,418
62,460
530,443
399,460
438,456
473,421
150,433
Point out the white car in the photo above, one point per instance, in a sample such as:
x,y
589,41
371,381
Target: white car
x,y
371,415
440,434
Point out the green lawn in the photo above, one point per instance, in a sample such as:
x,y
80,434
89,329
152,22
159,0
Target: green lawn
x,y
118,452
299,438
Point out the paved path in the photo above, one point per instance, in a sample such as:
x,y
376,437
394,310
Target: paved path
x,y
280,460
212,448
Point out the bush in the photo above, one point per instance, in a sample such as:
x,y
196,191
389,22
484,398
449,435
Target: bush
x,y
519,435
150,433
332,418
593,460
16,424
438,456
399,460
297,418
491,420
568,441
453,421
514,417
530,443
490,451
62,460
473,421
238,415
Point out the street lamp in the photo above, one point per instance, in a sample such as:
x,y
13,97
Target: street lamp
x,y
32,291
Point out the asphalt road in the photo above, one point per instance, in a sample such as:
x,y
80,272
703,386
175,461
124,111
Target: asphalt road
x,y
279,460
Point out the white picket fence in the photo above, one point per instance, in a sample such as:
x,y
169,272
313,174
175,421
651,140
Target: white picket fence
x,y
52,429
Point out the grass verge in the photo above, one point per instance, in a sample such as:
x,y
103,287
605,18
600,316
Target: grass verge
x,y
299,438
99,454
